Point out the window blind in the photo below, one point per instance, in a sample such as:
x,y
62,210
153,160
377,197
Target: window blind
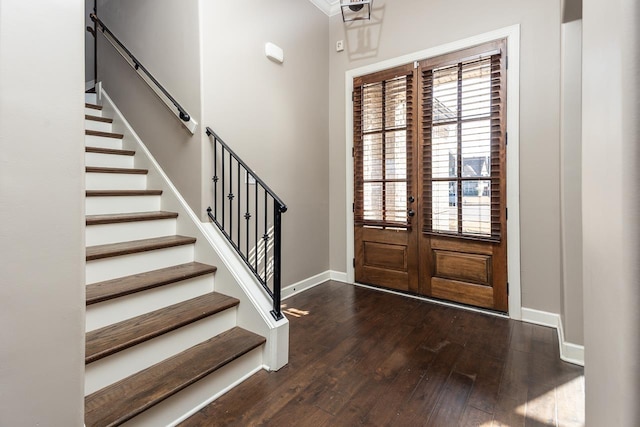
x,y
383,105
463,143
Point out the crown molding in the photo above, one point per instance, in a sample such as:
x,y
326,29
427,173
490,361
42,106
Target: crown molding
x,y
329,7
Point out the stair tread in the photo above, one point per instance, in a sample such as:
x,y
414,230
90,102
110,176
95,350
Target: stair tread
x,y
110,289
136,246
98,118
112,193
111,339
105,134
93,106
109,151
100,169
129,217
127,398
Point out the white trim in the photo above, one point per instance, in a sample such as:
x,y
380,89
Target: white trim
x,y
330,8
216,396
512,34
569,352
310,282
89,85
338,276
305,284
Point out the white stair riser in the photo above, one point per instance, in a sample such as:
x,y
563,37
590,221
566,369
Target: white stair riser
x,y
123,231
92,112
126,265
90,98
98,125
121,204
108,160
113,368
196,396
102,142
128,306
115,181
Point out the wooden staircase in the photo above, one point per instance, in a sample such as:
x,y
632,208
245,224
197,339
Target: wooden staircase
x,y
155,326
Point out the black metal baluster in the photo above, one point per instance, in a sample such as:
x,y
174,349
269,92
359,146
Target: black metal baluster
x,y
222,192
255,252
230,197
277,248
247,215
265,238
215,178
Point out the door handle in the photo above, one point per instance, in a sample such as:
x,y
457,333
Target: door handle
x,y
411,212
411,199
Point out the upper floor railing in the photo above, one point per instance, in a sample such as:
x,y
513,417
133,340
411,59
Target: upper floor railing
x,y
249,215
142,71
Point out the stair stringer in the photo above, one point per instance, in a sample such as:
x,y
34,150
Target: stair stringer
x,y
233,278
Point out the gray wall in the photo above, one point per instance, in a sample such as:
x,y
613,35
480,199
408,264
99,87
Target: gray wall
x,y
571,181
611,208
406,26
41,212
164,35
275,115
89,47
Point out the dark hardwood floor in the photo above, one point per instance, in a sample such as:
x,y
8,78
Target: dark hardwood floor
x,y
362,357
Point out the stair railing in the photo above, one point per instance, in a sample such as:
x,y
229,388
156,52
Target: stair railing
x,y
249,215
171,103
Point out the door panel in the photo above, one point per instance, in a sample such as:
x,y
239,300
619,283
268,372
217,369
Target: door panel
x,y
382,258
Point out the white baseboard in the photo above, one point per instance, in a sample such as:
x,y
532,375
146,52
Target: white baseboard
x,y
303,285
338,276
569,352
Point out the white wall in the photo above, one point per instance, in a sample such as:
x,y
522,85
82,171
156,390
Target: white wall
x,y
405,26
41,212
611,208
275,116
571,181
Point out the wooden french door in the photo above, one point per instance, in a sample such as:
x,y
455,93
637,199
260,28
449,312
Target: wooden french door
x,y
430,178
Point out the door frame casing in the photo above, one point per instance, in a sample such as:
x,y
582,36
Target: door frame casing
x,y
512,34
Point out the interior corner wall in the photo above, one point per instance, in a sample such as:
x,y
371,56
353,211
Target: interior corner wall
x,y
165,37
275,116
405,26
571,182
611,208
42,212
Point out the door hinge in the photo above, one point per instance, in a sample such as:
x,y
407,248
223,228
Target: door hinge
x,y
353,207
354,263
506,138
506,213
506,60
353,96
353,151
416,64
507,288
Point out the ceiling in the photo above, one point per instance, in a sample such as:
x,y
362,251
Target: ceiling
x,y
329,7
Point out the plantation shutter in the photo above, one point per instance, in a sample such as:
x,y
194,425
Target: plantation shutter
x,y
463,150
383,112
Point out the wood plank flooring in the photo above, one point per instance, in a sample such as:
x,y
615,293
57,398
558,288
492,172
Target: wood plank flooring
x,y
365,358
